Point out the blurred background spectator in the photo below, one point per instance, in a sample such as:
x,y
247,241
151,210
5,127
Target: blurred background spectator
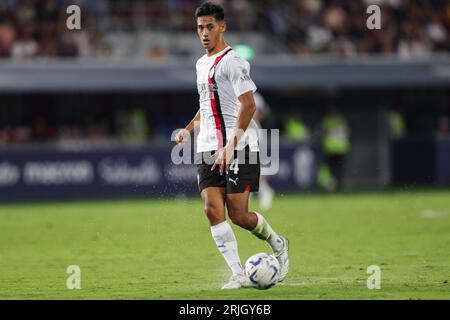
x,y
397,125
295,128
335,136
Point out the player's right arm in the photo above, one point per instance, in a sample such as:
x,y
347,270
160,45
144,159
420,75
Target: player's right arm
x,y
183,134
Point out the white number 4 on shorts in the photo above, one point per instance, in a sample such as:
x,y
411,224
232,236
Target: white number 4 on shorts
x,y
235,166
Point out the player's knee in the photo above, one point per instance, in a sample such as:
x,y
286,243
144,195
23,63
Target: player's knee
x,y
212,212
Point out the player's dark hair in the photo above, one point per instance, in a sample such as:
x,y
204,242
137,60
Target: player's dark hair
x,y
210,9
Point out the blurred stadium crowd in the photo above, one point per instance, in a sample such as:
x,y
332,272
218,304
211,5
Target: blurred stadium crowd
x,y
35,29
411,28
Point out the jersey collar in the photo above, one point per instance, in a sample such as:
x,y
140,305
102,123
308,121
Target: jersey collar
x,y
219,53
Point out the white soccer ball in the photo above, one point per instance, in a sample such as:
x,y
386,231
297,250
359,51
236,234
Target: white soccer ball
x,y
262,270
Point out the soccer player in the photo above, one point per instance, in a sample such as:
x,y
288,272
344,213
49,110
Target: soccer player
x,y
225,147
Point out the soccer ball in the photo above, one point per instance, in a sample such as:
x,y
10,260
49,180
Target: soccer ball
x,y
263,270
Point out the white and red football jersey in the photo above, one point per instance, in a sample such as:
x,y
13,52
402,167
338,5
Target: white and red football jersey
x,y
221,79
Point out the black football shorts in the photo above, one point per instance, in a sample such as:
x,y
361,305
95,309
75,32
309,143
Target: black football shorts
x,y
243,172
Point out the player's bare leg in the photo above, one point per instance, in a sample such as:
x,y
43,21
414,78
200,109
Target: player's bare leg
x,y
214,199
223,235
237,206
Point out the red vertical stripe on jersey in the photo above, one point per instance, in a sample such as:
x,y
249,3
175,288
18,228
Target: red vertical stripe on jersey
x,y
215,113
215,105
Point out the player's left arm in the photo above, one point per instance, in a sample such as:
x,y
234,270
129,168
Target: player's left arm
x,y
246,113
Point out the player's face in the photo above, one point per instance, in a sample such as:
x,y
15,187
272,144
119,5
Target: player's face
x,y
210,31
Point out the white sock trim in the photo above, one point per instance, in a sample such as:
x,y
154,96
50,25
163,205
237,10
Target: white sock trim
x,y
220,228
260,221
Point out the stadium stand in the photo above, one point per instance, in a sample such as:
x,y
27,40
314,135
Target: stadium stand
x,y
32,28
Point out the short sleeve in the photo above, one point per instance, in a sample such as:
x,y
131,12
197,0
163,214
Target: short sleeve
x,y
239,75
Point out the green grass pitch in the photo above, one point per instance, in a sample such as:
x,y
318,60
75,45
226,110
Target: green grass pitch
x,y
162,249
